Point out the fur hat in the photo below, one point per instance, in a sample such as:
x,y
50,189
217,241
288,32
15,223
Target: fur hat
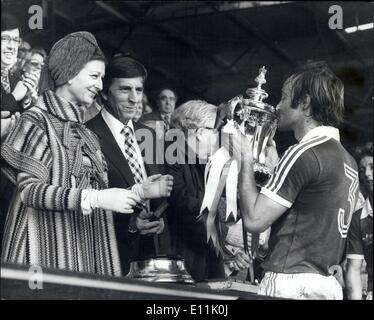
x,y
67,58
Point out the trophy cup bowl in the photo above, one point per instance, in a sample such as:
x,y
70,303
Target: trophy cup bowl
x,y
258,120
161,268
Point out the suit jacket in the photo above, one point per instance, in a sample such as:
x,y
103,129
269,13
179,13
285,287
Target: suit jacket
x,y
131,246
8,102
188,235
153,116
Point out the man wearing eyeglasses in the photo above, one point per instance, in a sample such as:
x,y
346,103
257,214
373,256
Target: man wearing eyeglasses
x,y
15,89
195,121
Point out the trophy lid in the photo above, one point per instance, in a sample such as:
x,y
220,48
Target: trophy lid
x,y
258,94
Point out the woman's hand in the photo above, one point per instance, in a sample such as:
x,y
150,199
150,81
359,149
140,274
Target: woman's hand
x,y
118,200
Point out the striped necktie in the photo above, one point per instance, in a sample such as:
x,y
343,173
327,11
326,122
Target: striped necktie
x,y
5,80
167,121
131,155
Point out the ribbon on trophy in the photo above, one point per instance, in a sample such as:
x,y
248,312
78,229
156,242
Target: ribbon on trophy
x,y
257,120
221,173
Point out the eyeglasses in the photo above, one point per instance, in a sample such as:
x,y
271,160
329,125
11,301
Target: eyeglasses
x,y
6,38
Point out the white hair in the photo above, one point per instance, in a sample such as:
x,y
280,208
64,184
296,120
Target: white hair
x,y
194,114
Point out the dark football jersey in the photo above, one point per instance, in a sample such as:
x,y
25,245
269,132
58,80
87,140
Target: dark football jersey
x,y
317,179
360,239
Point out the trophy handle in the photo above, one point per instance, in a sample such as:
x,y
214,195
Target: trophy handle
x,y
232,106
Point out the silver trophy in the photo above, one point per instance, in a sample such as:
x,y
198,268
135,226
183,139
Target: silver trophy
x,y
259,120
160,267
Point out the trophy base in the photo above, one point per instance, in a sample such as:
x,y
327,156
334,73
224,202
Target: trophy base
x,y
262,174
160,269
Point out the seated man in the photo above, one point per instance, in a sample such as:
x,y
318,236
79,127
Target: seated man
x,y
360,235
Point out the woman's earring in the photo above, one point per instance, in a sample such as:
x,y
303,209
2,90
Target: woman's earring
x,y
70,82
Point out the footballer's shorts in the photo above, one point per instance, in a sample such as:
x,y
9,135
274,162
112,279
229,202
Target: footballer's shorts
x,y
311,286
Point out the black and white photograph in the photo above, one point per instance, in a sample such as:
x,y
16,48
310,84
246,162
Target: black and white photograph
x,y
205,151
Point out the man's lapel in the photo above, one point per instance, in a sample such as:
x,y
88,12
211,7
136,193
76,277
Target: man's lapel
x,y
111,149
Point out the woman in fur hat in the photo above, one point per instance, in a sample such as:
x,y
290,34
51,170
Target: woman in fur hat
x,y
61,215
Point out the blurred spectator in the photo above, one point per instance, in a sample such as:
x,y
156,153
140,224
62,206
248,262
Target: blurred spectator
x,y
142,107
360,235
166,101
33,65
147,108
23,52
139,111
15,90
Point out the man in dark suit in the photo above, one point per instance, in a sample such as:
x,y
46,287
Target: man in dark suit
x,y
166,101
196,120
120,138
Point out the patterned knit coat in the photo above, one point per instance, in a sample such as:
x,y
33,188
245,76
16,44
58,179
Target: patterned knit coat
x,y
55,157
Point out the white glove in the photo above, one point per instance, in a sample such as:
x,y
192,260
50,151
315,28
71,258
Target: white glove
x,y
156,186
114,199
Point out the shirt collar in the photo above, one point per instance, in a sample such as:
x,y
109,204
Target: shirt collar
x,y
328,131
367,209
114,123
